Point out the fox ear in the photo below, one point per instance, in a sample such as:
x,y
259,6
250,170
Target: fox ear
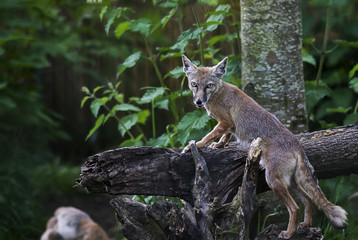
x,y
188,66
220,69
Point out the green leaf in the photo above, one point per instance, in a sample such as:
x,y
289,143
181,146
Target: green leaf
x,y
338,110
95,106
354,84
126,107
353,71
308,40
162,103
3,85
98,123
86,90
308,58
126,123
170,55
165,19
351,119
175,73
142,116
103,11
152,94
109,23
133,142
185,37
121,28
315,93
97,88
129,62
215,39
216,17
141,25
345,43
325,125
161,141
84,101
194,120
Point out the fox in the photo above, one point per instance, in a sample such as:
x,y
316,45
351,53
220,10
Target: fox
x,y
287,168
69,223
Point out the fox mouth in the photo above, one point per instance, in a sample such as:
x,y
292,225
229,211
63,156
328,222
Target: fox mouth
x,y
199,105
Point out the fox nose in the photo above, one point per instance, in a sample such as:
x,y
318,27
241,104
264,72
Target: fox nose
x,y
198,103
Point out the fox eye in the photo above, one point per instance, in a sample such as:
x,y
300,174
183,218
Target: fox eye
x,y
193,84
210,85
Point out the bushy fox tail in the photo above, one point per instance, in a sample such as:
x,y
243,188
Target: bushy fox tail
x,y
308,184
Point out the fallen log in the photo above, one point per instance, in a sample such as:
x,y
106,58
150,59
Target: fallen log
x,y
167,172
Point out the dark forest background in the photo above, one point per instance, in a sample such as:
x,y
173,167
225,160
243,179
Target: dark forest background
x,y
81,77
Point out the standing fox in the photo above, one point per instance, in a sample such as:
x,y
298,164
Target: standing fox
x,y
287,167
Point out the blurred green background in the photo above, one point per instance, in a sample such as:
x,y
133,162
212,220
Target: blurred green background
x,y
72,84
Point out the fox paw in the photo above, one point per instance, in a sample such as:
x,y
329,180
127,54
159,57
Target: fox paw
x,y
285,234
216,145
304,225
186,149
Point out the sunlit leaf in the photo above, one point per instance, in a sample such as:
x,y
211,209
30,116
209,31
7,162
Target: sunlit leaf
x,y
127,107
126,123
338,110
129,62
308,40
175,73
216,17
121,28
353,71
185,37
143,116
84,101
141,25
308,58
133,142
152,94
165,19
95,106
194,120
162,103
98,123
103,11
215,39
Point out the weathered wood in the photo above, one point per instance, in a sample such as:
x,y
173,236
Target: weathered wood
x,y
249,181
167,172
201,194
272,232
207,219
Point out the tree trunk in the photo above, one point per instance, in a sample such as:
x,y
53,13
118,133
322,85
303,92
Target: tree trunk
x,y
214,206
272,71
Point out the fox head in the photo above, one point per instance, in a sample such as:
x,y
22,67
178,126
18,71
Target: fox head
x,y
203,81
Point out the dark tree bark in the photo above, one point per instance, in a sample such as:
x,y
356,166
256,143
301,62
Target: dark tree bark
x,y
214,206
167,172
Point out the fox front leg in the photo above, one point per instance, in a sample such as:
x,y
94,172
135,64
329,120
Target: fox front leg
x,y
219,130
222,142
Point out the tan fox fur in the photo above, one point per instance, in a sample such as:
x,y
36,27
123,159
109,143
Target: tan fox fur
x,y
70,223
287,167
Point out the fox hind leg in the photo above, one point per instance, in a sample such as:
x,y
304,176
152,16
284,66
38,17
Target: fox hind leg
x,y
298,191
281,190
